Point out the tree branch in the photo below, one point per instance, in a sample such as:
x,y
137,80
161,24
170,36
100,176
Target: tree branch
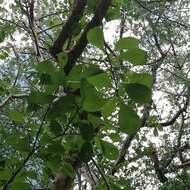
x,y
78,49
178,148
179,112
127,142
11,97
140,3
102,174
68,27
158,169
33,149
73,55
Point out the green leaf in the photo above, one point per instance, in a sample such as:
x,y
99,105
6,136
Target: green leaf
x,y
68,169
92,100
55,148
99,81
135,56
45,139
91,4
50,89
62,59
140,78
31,174
45,79
86,152
94,119
55,127
139,93
23,144
52,161
114,137
95,36
114,185
80,72
73,143
4,55
101,186
20,185
74,76
139,86
127,43
61,106
113,12
59,78
86,131
16,116
5,174
12,139
108,150
125,184
91,70
39,98
2,164
148,151
45,67
129,121
32,107
109,107
5,30
2,36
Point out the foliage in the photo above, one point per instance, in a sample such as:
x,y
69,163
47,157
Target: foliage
x,y
90,112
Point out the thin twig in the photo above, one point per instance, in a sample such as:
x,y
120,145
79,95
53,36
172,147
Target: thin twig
x,y
7,184
102,174
11,97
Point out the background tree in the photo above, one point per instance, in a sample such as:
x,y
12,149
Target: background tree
x,y
81,109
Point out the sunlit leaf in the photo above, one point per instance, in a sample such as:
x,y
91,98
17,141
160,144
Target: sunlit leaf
x,y
100,80
16,116
135,56
109,107
45,67
62,58
95,36
127,43
140,78
92,99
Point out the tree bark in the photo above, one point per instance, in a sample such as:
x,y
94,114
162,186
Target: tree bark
x,y
63,181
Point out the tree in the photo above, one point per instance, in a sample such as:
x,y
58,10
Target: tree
x,y
81,112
